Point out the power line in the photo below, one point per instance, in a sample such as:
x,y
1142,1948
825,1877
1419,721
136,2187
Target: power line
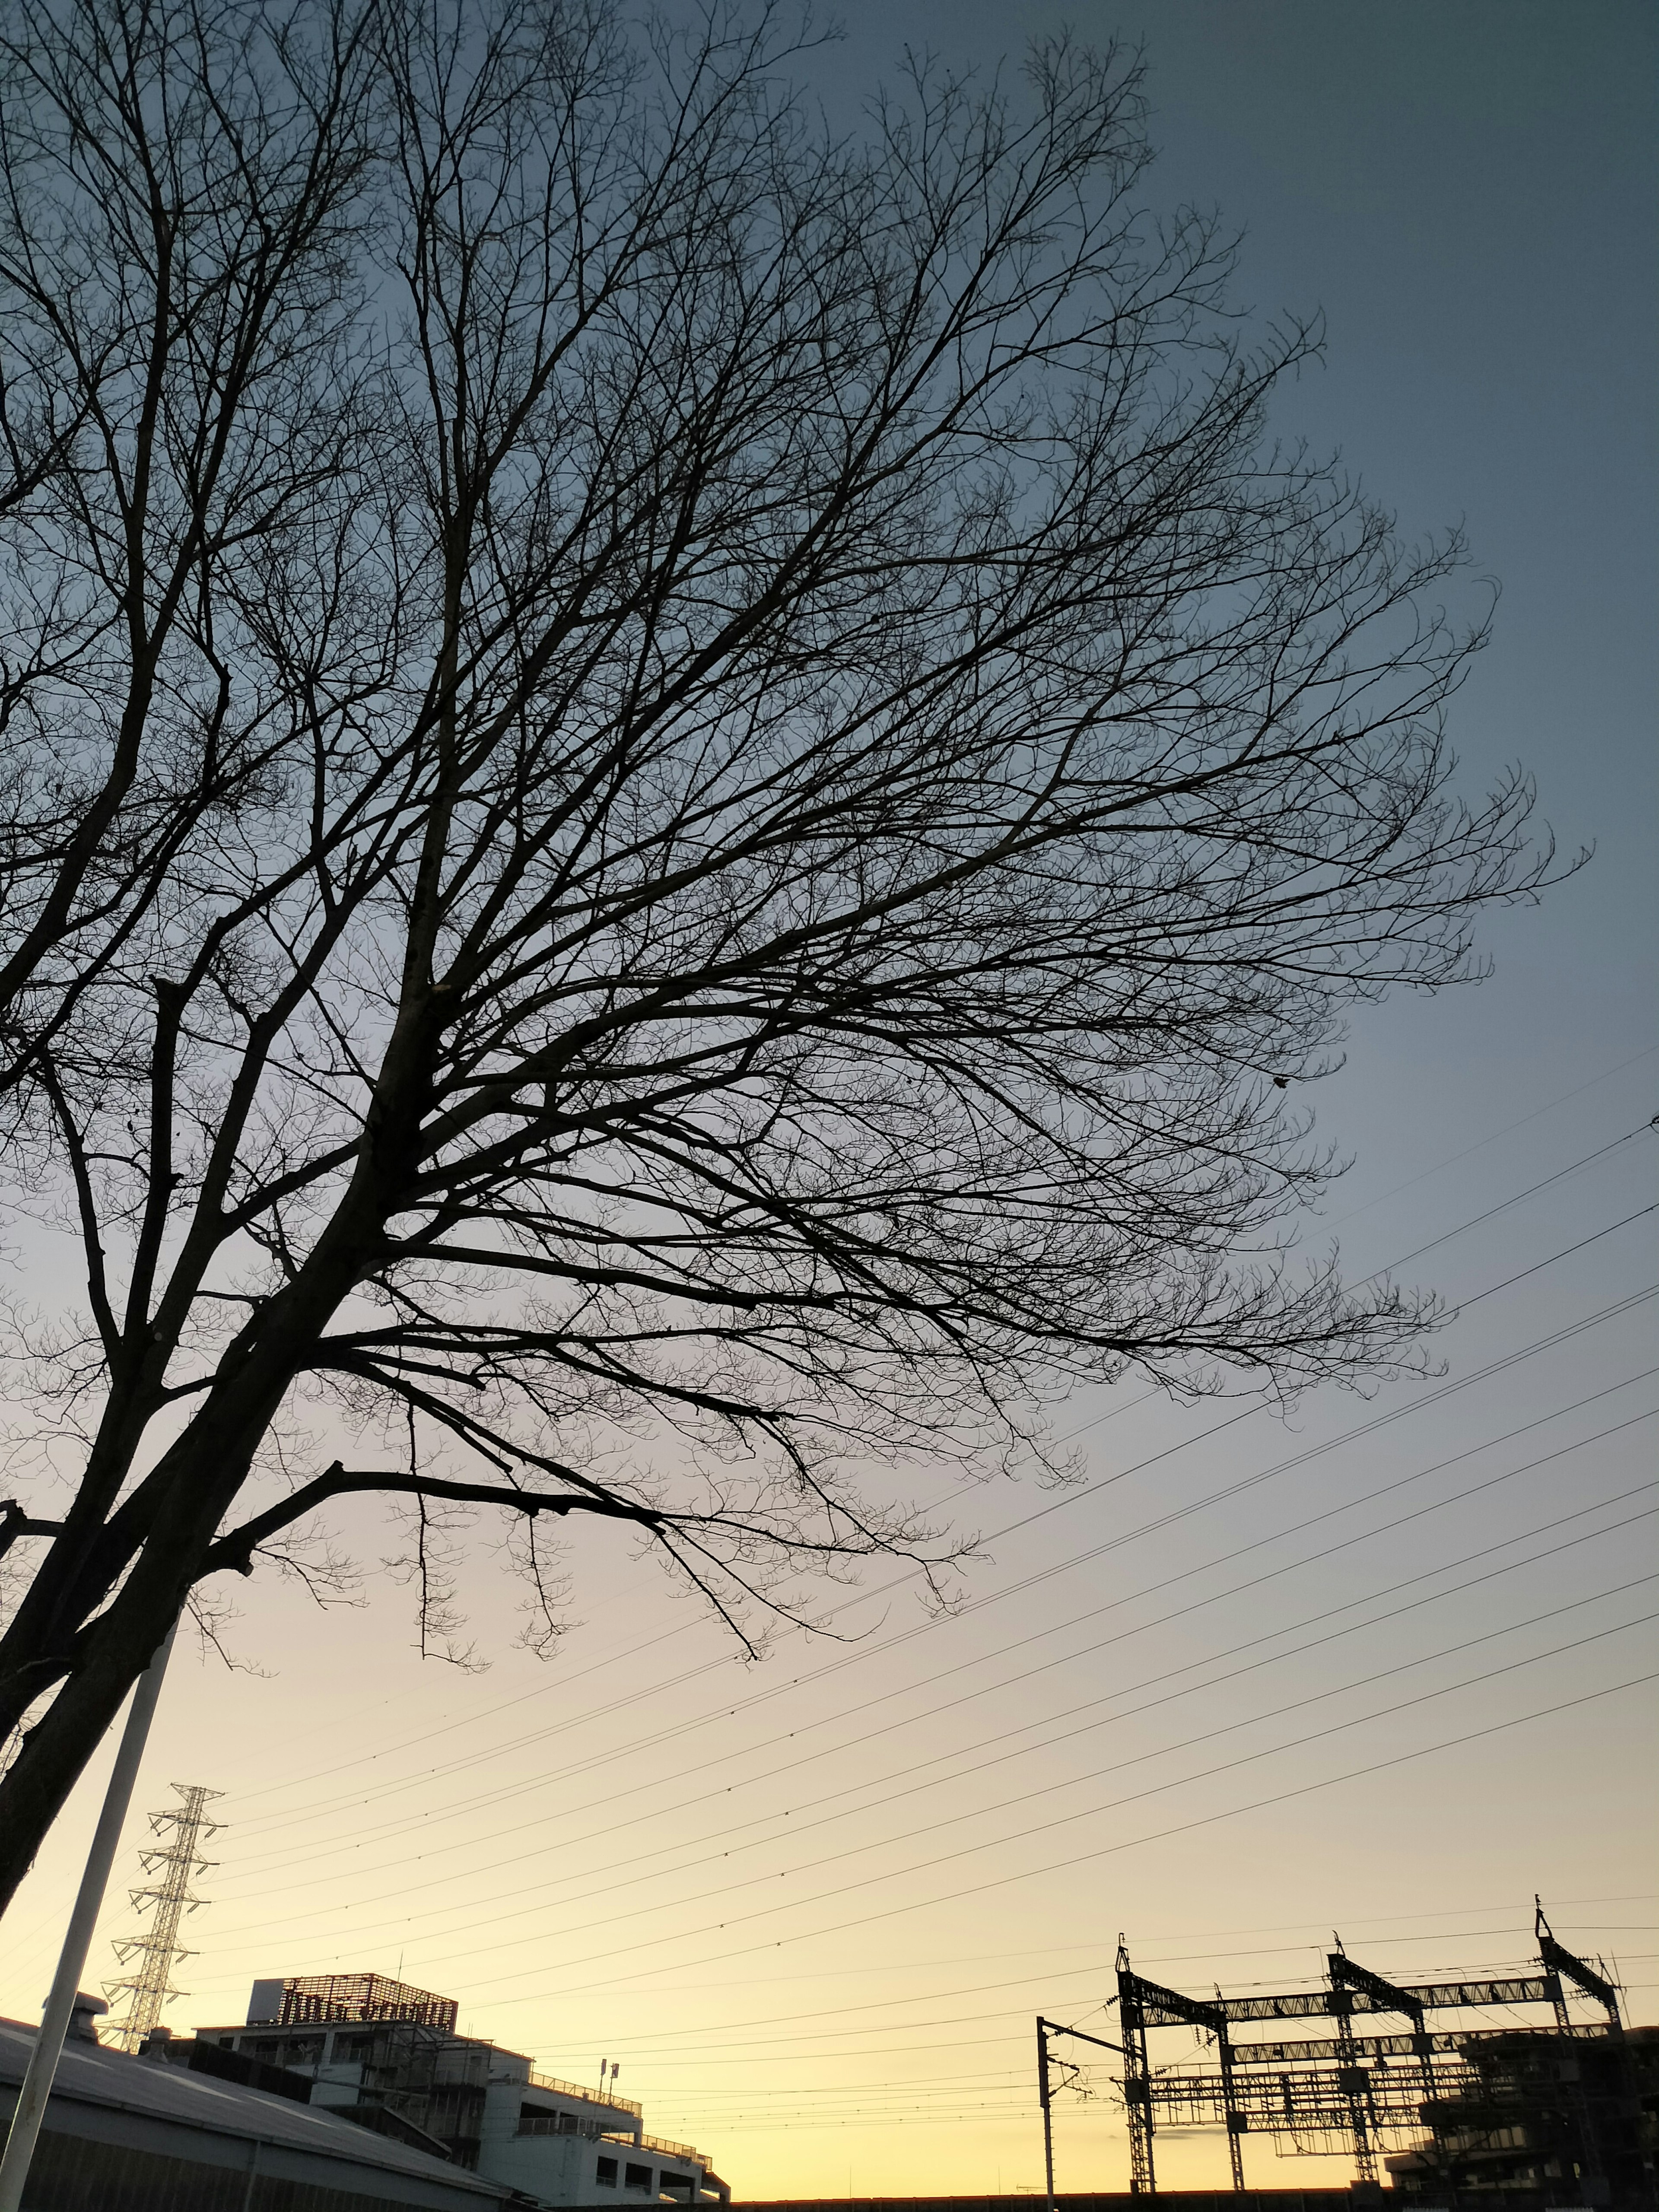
x,y
1497,1366
1565,1253
1092,1811
1306,1934
1446,1236
653,2047
473,1839
1492,1135
1514,1202
1132,1843
1161,1751
866,1651
1191,1689
1258,1718
1291,1629
1642,1129
1558,1337
643,2046
1474,1221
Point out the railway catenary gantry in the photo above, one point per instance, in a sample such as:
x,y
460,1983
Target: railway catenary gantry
x,y
1335,2093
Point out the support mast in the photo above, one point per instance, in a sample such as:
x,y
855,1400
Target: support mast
x,y
1137,2077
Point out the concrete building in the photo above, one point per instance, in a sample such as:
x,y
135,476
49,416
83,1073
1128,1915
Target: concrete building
x,y
1574,2113
126,2134
388,2056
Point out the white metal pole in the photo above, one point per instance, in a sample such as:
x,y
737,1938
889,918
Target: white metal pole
x,y
72,1960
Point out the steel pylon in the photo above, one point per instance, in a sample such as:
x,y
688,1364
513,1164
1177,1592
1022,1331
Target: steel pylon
x,y
175,1864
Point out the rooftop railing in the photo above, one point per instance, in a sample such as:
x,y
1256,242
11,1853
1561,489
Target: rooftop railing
x,y
666,2149
567,2123
606,2097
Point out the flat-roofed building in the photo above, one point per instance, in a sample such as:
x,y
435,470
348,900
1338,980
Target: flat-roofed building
x,y
386,2055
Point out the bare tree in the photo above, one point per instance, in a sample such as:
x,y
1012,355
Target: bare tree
x,y
177,203
680,796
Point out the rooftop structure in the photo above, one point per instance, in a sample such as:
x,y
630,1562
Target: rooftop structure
x,y
305,1998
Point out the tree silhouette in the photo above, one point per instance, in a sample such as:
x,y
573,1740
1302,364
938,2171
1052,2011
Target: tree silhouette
x,y
678,796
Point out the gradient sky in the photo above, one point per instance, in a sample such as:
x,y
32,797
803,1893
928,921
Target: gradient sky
x,y
813,1905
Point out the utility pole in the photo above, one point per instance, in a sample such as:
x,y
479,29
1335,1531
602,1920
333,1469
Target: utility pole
x,y
1045,2028
31,2098
1048,2117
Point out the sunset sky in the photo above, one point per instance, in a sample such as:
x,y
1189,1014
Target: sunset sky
x,y
1380,1664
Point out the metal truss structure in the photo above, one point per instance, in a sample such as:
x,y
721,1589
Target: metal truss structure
x,y
1341,2092
177,1863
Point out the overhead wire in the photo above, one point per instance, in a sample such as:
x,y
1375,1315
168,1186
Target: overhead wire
x,y
1474,1221
1107,1607
1161,1751
1490,1730
642,2046
1408,1702
1500,1366
1132,1843
983,1765
866,1650
657,2038
1295,1627
654,2045
1492,1135
1559,1337
1565,1253
1145,1590
1298,1929
1369,1598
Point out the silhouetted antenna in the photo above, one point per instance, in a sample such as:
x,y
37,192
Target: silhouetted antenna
x,y
177,1864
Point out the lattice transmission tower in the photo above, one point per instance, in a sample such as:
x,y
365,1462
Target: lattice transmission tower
x,y
175,1865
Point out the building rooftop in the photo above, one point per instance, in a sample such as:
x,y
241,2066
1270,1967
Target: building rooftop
x,y
93,2082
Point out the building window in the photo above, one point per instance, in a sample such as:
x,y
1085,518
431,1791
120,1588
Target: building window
x,y
605,2172
637,2177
